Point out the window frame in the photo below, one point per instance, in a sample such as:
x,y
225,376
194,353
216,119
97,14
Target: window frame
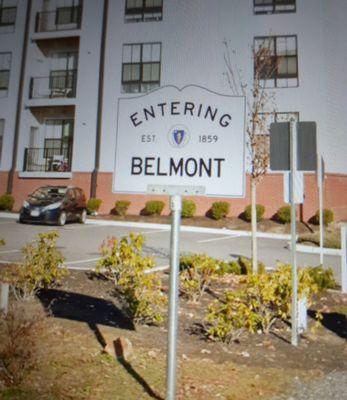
x,y
141,65
275,7
8,71
7,24
142,11
277,57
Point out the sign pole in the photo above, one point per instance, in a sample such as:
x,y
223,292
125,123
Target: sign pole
x,y
293,147
321,217
4,294
176,207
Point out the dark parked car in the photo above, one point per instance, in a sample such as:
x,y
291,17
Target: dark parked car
x,y
55,205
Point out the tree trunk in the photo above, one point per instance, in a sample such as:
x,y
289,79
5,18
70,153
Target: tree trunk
x,y
254,226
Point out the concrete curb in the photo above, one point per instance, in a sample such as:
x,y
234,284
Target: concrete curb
x,y
166,227
316,250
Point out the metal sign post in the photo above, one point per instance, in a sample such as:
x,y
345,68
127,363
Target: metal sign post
x,y
293,156
320,182
293,148
176,207
4,289
175,192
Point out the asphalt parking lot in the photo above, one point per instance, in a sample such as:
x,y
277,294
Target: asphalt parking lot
x,y
80,244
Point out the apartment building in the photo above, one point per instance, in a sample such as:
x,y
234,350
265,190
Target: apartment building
x,y
64,64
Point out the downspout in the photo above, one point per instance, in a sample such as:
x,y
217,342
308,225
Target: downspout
x,y
20,100
94,178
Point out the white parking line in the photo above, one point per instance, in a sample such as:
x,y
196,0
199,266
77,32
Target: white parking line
x,y
9,251
218,239
151,232
82,261
9,262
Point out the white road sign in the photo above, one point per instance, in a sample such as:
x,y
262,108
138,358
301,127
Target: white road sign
x,y
181,137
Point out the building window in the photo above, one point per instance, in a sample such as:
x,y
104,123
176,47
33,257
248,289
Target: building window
x,y
143,10
274,6
2,128
8,11
282,70
5,66
141,67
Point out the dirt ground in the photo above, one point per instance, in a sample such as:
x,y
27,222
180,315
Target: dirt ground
x,y
85,317
266,225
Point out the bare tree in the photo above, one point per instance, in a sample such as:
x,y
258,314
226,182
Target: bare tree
x,y
260,104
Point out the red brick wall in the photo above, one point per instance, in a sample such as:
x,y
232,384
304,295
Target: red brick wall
x,y
269,193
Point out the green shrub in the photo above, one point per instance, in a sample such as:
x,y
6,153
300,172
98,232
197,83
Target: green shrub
x,y
93,205
263,300
42,266
260,212
323,278
121,207
328,217
122,262
188,208
245,264
283,215
219,210
196,272
6,202
154,207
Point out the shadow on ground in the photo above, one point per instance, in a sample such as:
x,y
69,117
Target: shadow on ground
x,y
335,322
82,308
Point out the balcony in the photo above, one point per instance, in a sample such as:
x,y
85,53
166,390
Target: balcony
x,y
47,160
62,19
60,84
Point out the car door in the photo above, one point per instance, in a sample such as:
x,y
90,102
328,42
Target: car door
x,y
70,204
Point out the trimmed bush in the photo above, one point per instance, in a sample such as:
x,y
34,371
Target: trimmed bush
x,y
123,263
283,215
245,264
328,217
323,278
121,207
6,202
219,210
41,268
260,212
263,300
188,208
154,207
93,205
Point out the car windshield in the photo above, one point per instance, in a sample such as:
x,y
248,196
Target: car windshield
x,y
48,193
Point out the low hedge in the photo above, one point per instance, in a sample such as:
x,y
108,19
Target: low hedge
x,y
219,210
154,207
6,202
260,212
188,208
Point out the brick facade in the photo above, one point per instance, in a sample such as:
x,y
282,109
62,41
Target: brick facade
x,y
269,193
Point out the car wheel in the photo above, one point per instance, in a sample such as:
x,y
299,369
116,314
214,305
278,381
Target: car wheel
x,y
62,218
83,216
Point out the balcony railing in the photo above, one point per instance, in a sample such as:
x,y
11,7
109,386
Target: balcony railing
x,y
63,18
59,84
47,160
